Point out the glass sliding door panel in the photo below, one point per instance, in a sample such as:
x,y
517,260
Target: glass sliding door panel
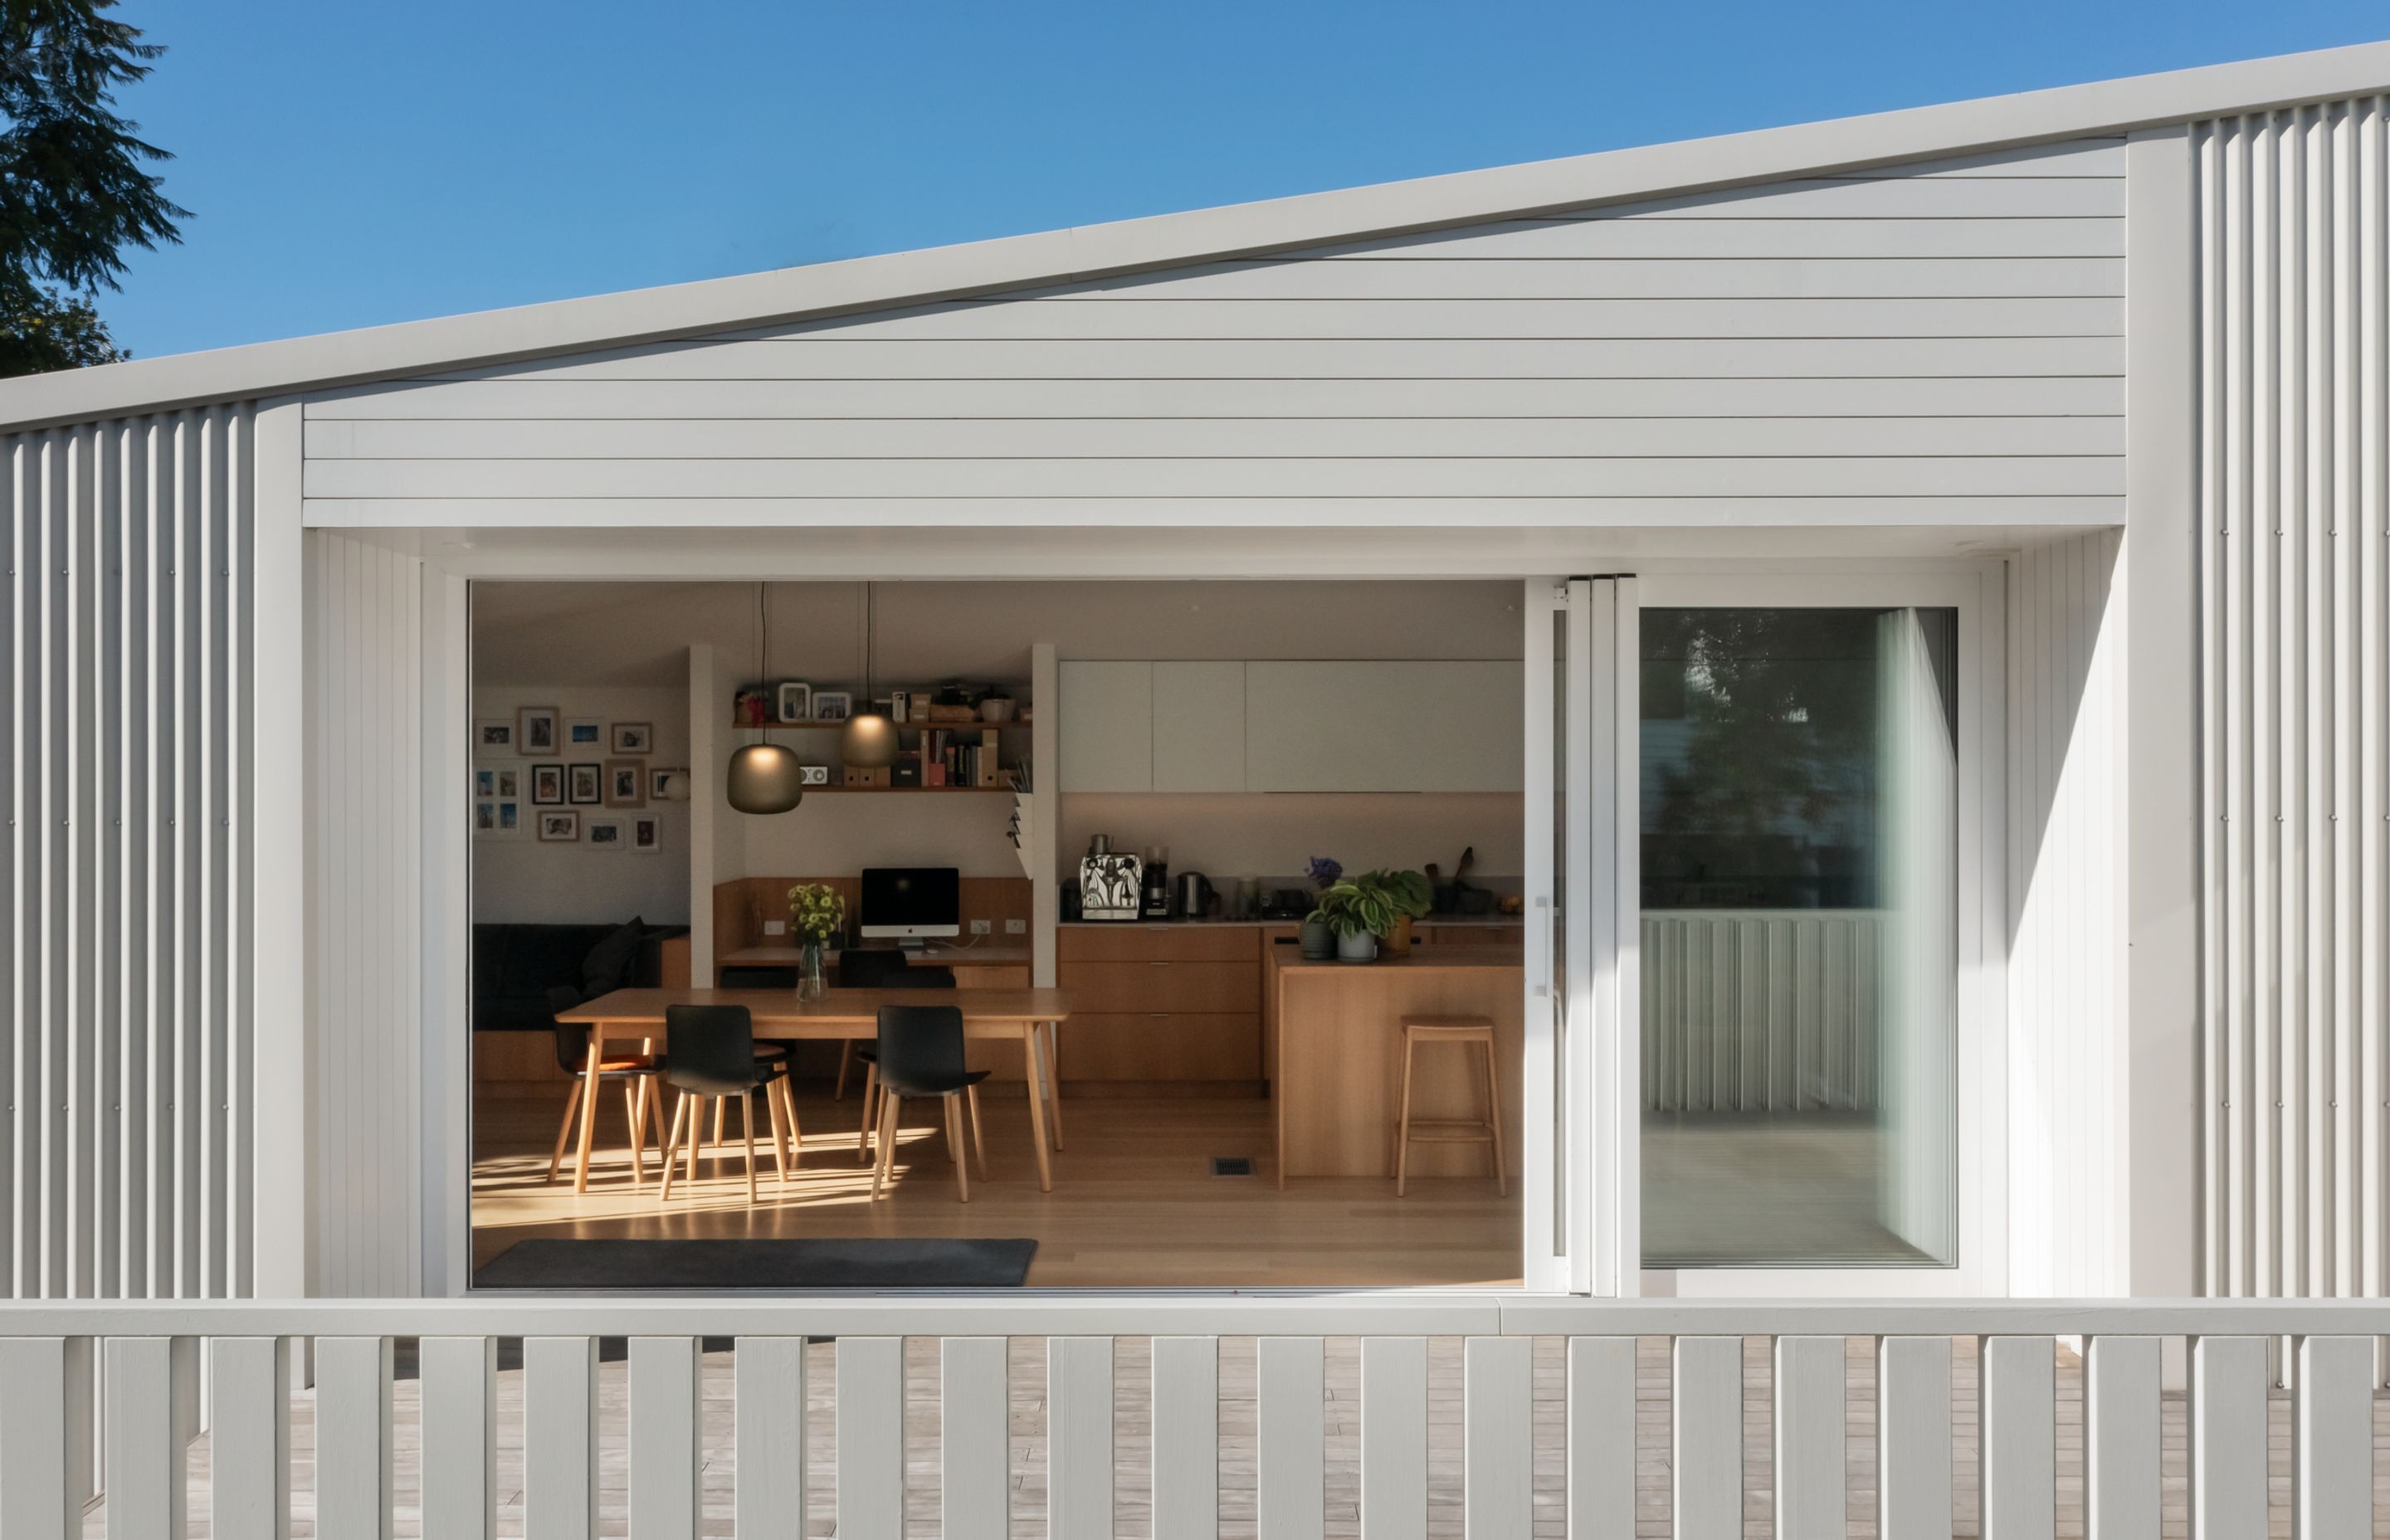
x,y
1799,937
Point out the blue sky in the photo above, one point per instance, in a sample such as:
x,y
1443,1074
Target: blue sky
x,y
351,165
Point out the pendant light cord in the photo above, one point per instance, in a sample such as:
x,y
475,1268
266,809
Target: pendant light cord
x,y
764,658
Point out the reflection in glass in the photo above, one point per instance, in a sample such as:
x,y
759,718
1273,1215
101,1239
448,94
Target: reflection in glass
x,y
1799,831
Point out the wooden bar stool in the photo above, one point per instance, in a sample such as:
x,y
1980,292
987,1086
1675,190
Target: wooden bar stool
x,y
1420,1032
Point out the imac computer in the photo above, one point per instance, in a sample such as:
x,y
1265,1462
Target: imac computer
x,y
911,902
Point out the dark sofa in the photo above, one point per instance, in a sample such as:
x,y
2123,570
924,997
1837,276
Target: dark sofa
x,y
515,967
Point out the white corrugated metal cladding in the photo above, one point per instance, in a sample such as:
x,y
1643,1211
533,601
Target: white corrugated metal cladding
x,y
2296,784
127,954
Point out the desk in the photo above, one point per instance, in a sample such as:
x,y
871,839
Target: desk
x,y
1026,1016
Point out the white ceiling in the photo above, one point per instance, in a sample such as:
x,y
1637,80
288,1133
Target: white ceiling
x,y
638,634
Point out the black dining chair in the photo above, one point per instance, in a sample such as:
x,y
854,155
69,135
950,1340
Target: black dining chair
x,y
921,1054
864,968
636,1074
709,1054
904,977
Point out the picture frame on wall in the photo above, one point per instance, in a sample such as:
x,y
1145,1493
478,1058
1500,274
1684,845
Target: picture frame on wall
x,y
832,705
585,732
796,701
659,783
584,785
493,736
547,786
536,730
626,784
647,833
559,827
485,817
485,782
634,738
511,820
510,782
606,833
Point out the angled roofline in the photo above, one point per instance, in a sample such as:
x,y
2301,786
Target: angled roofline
x,y
678,310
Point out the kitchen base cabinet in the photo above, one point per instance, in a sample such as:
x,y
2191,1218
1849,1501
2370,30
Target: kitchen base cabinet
x,y
1172,1007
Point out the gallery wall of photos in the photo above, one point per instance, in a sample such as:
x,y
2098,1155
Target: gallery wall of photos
x,y
542,776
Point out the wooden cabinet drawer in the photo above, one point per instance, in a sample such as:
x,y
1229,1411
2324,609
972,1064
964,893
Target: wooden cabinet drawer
x,y
1162,985
1162,1045
1128,942
1472,935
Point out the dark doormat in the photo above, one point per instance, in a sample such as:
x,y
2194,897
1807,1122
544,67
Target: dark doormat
x,y
682,1265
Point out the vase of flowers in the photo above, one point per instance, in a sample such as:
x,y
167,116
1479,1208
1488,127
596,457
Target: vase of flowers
x,y
816,914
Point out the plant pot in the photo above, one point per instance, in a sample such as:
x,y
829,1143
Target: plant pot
x,y
1358,947
1398,939
1319,941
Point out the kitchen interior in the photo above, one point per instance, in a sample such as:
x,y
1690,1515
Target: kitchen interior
x,y
1214,763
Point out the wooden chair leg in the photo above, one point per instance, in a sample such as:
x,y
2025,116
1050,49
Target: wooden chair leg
x,y
672,1144
796,1129
845,1063
1494,1119
1402,1123
746,1131
564,1135
979,1130
771,1089
865,1124
955,1151
696,1129
638,1145
883,1169
721,1113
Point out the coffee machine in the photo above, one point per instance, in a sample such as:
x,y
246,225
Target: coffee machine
x,y
1157,883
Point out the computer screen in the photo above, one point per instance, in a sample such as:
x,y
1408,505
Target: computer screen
x,y
912,901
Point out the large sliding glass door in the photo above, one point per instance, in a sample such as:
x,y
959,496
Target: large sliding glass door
x,y
1783,1019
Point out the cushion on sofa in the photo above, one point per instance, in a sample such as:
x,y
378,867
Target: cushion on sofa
x,y
608,964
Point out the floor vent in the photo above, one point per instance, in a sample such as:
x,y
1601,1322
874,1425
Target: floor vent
x,y
1232,1165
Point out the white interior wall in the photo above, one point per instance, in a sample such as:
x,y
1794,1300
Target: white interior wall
x,y
522,879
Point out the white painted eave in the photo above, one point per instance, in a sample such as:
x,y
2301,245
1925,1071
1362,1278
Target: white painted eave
x,y
266,369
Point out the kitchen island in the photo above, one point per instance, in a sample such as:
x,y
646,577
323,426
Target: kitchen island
x,y
1337,1079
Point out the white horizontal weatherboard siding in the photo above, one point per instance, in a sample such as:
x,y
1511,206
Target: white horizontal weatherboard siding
x,y
1938,342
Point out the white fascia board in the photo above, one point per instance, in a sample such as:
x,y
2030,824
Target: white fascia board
x,y
1168,240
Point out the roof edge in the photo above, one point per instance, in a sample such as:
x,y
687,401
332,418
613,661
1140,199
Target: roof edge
x,y
678,310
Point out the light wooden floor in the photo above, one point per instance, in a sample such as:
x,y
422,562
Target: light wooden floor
x,y
1133,1445
1134,1202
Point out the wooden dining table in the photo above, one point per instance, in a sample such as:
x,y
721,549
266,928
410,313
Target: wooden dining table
x,y
1030,1016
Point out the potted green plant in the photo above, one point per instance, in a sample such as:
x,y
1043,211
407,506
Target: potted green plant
x,y
1411,897
816,912
1360,910
1318,940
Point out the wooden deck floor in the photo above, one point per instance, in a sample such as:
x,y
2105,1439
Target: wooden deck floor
x,y
1133,1447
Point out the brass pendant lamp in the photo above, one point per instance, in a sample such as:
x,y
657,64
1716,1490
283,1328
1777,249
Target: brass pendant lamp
x,y
869,741
764,777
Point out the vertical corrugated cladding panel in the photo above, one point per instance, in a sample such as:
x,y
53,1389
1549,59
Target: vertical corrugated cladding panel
x,y
363,711
2065,1002
126,954
2294,541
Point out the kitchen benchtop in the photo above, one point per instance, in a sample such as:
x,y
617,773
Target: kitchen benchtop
x,y
1455,959
1490,922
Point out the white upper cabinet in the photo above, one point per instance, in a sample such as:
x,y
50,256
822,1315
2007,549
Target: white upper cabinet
x,y
1383,726
1199,727
1105,734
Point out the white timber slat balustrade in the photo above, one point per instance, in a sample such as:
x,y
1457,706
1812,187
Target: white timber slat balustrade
x,y
1185,1438
1079,1437
870,1438
1601,1435
2017,1413
33,1499
248,1439
768,1436
1810,1438
1291,1438
664,1446
146,1446
2121,1437
1912,1381
2333,1435
1498,1437
975,1443
460,1436
1708,1433
2229,1380
560,1438
1393,1438
354,1437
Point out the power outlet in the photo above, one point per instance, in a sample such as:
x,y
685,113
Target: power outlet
x,y
1016,927
981,928
775,927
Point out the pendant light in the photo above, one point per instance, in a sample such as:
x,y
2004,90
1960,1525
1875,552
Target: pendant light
x,y
869,741
764,777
